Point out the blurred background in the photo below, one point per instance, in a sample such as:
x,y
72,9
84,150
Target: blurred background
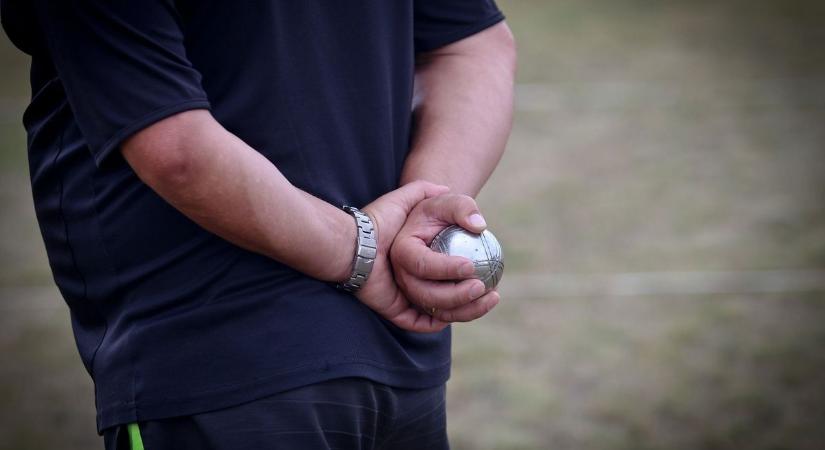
x,y
662,209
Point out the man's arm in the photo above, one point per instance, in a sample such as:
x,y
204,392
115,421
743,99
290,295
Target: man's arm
x,y
463,110
227,187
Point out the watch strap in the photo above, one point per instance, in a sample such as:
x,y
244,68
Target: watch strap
x,y
366,248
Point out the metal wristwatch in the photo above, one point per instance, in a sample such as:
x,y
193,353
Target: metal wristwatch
x,y
366,247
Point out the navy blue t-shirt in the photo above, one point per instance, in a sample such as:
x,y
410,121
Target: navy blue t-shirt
x,y
170,319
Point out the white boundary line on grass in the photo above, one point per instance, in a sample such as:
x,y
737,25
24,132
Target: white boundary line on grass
x,y
550,285
665,283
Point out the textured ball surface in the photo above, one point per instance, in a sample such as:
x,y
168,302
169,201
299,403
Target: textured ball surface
x,y
483,249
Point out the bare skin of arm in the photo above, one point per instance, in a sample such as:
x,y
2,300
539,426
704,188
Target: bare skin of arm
x,y
463,110
216,180
228,188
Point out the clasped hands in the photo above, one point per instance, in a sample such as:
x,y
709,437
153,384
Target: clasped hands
x,y
412,286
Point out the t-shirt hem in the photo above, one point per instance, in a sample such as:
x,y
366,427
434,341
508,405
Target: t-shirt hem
x,y
457,35
155,116
159,407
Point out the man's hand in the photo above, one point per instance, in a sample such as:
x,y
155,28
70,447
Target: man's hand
x,y
381,293
434,280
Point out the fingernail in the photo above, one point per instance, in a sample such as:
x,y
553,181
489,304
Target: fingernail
x,y
477,290
467,270
477,221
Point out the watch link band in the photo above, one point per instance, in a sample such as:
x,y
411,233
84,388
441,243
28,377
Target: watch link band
x,y
366,246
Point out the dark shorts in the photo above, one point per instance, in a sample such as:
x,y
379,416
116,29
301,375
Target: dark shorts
x,y
348,413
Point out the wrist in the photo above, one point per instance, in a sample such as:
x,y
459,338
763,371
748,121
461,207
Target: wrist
x,y
347,242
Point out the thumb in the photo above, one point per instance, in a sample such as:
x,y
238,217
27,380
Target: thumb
x,y
457,209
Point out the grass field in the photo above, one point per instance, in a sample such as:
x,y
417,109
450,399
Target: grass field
x,y
661,209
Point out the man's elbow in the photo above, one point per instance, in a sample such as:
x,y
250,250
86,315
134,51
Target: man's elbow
x,y
162,154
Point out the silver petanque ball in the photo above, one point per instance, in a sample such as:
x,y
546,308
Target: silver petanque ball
x,y
483,249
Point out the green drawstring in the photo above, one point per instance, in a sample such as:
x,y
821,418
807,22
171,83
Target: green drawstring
x,y
134,437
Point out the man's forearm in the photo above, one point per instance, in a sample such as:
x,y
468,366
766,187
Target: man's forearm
x,y
463,111
228,188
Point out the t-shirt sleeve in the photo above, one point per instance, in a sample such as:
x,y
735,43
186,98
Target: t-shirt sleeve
x,y
122,64
442,22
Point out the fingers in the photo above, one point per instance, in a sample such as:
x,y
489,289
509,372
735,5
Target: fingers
x,y
414,257
444,295
417,321
390,211
413,319
470,311
405,316
408,195
433,190
461,210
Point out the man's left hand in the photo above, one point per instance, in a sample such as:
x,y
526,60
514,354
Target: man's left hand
x,y
440,284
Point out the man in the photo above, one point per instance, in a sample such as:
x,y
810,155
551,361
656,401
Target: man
x,y
188,163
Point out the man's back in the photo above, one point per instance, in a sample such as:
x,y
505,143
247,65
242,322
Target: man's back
x,y
171,319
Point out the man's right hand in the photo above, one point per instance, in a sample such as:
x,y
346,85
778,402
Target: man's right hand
x,y
381,293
